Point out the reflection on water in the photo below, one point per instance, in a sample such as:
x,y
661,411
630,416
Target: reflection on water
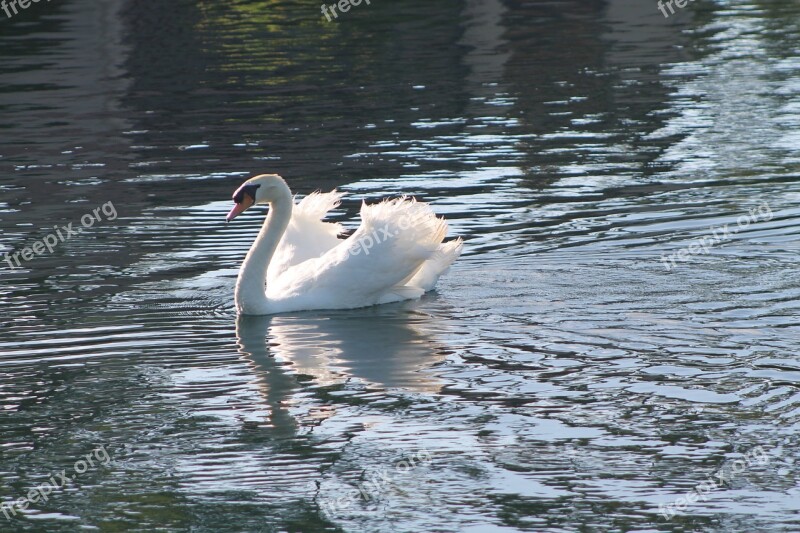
x,y
369,350
562,379
372,347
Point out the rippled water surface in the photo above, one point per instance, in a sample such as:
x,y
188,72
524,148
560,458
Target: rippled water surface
x,y
566,376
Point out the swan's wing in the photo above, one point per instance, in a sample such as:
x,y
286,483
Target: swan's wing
x,y
394,241
307,235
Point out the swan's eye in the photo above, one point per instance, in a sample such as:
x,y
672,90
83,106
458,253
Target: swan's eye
x,y
249,190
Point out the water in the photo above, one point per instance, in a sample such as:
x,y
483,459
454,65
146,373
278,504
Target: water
x,y
565,377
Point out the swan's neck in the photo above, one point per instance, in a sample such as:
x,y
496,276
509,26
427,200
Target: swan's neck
x,y
251,297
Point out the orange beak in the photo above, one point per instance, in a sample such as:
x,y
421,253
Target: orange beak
x,y
240,208
245,197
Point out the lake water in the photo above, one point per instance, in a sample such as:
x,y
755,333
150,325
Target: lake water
x,y
566,376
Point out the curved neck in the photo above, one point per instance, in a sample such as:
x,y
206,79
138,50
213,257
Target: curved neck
x,y
250,296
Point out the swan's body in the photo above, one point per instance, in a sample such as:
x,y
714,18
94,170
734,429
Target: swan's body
x,y
396,254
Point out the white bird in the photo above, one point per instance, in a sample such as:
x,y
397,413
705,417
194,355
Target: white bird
x,y
298,263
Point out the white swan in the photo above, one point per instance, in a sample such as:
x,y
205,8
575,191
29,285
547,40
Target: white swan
x,y
396,254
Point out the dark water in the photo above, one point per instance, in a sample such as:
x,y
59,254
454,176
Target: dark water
x,y
565,376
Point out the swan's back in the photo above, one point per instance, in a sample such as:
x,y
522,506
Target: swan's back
x,y
396,254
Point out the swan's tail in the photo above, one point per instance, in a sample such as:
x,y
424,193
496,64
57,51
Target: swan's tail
x,y
420,233
439,263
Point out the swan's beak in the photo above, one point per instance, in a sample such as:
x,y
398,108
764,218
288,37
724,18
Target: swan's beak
x,y
240,208
245,196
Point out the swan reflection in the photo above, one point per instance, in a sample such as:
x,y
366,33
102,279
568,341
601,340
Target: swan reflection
x,y
384,347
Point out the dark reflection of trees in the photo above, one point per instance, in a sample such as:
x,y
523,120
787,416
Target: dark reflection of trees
x,y
606,55
311,98
277,75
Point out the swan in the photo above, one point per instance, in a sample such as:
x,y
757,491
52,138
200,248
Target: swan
x,y
299,263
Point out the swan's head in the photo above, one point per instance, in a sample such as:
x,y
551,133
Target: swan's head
x,y
263,189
